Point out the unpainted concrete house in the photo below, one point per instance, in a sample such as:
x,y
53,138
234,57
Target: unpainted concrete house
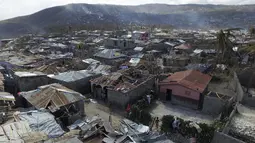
x,y
27,81
140,35
76,80
122,88
120,43
176,60
186,88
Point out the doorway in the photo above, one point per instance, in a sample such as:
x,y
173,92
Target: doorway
x,y
168,94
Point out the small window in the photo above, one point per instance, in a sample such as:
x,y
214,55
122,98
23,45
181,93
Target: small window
x,y
125,44
115,43
187,92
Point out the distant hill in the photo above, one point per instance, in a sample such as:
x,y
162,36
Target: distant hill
x,y
180,16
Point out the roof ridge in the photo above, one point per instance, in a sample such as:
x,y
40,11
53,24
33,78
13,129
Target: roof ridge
x,y
185,75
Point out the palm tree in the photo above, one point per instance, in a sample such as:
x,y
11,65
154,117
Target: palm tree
x,y
225,46
252,31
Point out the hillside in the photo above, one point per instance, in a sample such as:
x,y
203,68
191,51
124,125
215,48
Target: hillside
x,y
180,16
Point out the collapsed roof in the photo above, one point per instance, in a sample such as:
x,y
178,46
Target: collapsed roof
x,y
123,81
52,97
40,121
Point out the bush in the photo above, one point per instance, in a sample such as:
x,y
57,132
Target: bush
x,y
139,112
205,136
140,116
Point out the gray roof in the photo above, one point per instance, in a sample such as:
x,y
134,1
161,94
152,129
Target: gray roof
x,y
110,54
42,121
29,74
74,75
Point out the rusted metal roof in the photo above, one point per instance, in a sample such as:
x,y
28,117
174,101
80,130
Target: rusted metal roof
x,y
52,97
192,79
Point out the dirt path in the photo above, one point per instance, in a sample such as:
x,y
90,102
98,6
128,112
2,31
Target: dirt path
x,y
92,109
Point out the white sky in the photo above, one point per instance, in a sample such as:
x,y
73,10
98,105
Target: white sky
x,y
13,8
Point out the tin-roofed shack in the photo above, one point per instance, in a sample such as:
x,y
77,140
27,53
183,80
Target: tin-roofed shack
x,y
76,80
123,87
63,103
30,80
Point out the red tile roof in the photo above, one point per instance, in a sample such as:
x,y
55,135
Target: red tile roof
x,y
192,79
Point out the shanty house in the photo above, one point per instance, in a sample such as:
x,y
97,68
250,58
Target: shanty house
x,y
185,88
110,56
121,88
62,102
175,60
30,80
76,80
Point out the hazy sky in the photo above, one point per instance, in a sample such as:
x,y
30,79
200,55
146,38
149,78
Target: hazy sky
x,y
13,8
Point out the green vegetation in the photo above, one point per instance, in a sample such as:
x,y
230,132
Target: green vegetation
x,y
205,136
140,113
252,31
225,51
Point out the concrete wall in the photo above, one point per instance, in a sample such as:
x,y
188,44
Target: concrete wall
x,y
239,89
179,90
117,98
224,138
120,43
249,101
213,105
122,99
193,104
31,83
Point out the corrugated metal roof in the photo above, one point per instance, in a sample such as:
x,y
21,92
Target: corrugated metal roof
x,y
55,94
73,75
41,121
6,96
191,79
29,74
110,54
20,132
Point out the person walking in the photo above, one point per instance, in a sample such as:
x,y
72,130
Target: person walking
x,y
110,118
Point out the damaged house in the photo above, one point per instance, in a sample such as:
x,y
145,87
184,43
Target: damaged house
x,y
76,80
121,88
63,103
186,88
